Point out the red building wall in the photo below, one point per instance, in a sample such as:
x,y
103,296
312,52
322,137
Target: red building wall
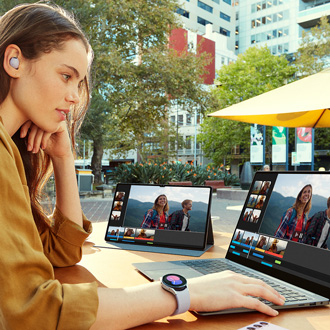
x,y
179,41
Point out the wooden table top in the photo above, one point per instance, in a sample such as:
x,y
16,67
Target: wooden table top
x,y
113,268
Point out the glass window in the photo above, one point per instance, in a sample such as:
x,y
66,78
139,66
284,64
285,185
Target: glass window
x,y
280,16
274,18
280,33
224,16
188,119
236,44
268,19
253,8
274,50
253,24
182,12
258,22
216,1
269,4
286,47
205,6
203,21
222,60
237,30
237,16
275,33
264,4
263,20
285,31
280,49
253,39
180,120
172,119
258,6
226,1
188,142
269,36
224,32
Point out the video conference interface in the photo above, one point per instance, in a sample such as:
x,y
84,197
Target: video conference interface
x,y
160,215
284,224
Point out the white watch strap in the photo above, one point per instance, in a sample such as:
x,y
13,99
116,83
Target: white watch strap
x,y
183,301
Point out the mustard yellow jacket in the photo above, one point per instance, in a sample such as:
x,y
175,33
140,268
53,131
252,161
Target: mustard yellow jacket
x,y
30,297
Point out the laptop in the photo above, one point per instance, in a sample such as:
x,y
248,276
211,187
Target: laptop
x,y
134,223
294,266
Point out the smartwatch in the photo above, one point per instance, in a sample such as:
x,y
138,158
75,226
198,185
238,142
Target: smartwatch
x,y
177,285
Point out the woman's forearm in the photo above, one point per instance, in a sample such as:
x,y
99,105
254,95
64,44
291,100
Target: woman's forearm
x,y
67,194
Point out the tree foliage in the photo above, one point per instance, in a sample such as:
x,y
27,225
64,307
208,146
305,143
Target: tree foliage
x,y
313,53
255,72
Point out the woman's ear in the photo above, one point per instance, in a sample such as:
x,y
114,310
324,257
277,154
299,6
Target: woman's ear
x,y
11,61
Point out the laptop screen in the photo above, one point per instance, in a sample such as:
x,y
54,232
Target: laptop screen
x,y
160,215
284,226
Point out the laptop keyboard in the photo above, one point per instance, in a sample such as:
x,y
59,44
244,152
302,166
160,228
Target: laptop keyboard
x,y
213,266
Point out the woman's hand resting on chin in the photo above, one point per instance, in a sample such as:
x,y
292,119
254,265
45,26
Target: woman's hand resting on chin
x,y
56,145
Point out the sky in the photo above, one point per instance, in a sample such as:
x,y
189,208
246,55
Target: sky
x,y
178,194
290,185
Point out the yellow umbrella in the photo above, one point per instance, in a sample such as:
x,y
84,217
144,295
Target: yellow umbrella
x,y
303,103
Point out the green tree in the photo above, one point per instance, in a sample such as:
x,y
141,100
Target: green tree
x,y
313,53
135,73
255,72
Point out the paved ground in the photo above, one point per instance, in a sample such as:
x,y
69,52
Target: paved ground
x,y
224,212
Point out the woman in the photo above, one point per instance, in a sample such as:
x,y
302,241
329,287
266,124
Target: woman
x,y
294,220
273,246
157,216
44,69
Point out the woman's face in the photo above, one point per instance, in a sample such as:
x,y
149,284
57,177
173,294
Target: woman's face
x,y
47,87
306,195
162,201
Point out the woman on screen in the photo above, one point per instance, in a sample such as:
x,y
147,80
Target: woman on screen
x,y
294,220
157,216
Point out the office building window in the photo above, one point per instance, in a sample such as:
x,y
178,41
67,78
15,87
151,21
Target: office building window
x,y
224,16
188,119
188,142
182,12
172,119
180,120
224,32
205,6
216,1
236,45
237,30
203,21
227,1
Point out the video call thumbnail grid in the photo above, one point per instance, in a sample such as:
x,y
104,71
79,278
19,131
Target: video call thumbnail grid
x,y
256,201
245,243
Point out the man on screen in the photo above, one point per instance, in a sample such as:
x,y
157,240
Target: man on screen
x,y
179,220
318,228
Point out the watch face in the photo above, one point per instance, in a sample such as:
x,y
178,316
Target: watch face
x,y
175,281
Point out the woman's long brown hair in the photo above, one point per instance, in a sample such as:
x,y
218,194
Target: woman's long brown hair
x,y
37,29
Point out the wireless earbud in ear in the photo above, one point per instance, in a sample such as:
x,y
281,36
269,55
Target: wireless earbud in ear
x,y
14,62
